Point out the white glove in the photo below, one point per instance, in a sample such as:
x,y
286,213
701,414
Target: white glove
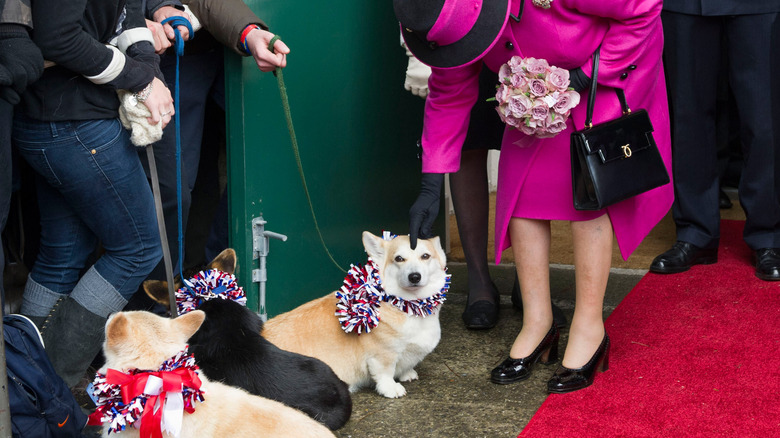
x,y
416,76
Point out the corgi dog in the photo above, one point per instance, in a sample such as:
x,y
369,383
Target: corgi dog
x,y
144,341
228,347
388,353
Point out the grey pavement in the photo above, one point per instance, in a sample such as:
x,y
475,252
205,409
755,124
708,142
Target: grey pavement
x,y
454,397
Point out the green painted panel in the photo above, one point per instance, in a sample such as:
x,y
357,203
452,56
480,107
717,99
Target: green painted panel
x,y
356,128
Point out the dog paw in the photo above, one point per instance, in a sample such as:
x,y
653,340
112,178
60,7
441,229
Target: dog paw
x,y
409,376
391,389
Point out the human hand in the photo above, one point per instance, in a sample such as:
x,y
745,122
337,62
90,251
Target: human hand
x,y
578,79
167,12
160,103
257,40
21,63
417,77
425,208
161,41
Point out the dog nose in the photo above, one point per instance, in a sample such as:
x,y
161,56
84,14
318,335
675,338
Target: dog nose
x,y
414,277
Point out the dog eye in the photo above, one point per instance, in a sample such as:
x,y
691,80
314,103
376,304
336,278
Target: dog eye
x,y
425,256
399,259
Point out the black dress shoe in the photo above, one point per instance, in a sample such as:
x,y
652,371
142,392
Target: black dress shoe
x,y
681,257
558,316
768,264
515,370
724,202
482,314
567,380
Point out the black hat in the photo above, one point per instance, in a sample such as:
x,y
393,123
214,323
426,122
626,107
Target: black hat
x,y
450,33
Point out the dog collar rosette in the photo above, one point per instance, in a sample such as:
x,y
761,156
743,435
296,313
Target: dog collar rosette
x,y
207,285
362,293
122,398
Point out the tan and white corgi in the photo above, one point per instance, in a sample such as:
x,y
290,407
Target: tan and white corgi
x,y
142,340
392,349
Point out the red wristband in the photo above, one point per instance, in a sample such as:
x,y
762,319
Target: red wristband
x,y
242,40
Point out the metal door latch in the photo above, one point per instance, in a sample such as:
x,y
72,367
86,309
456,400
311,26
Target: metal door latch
x,y
260,249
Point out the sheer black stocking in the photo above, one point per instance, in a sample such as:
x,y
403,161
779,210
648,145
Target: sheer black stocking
x,y
470,197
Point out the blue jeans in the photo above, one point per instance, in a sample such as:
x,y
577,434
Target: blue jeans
x,y
91,188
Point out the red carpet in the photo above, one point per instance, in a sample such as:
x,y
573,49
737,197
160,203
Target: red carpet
x,y
693,354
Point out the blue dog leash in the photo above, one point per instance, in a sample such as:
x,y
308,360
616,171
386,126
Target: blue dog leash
x,y
175,22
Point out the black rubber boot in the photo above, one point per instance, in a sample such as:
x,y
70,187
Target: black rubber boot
x,y
73,337
74,332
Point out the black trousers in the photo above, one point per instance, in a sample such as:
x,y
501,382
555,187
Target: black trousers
x,y
692,56
6,118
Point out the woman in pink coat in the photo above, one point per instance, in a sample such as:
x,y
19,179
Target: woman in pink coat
x,y
534,182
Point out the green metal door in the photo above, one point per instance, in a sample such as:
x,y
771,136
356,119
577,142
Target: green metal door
x,y
356,128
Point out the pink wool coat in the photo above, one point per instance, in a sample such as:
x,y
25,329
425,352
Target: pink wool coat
x,y
566,35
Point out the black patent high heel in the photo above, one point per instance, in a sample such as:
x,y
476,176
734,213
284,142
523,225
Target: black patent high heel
x,y
567,380
515,370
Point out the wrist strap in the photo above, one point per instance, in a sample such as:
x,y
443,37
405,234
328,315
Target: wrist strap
x,y
242,40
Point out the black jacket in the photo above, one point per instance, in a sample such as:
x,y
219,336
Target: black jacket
x,y
20,60
73,34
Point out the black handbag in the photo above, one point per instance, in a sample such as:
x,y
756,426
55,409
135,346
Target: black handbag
x,y
614,160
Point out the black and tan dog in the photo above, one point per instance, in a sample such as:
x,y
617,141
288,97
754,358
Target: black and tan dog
x,y
228,348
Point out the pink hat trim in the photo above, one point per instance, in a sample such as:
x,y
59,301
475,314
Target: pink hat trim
x,y
456,19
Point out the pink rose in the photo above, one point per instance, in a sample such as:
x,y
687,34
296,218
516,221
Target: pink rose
x,y
519,105
558,79
513,121
506,116
566,102
537,87
504,73
516,64
539,110
502,111
528,128
519,82
555,123
502,94
536,66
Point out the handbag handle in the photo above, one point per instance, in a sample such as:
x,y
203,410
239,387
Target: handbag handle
x,y
592,94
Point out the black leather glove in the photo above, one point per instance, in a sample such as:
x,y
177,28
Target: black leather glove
x,y
425,208
578,79
21,60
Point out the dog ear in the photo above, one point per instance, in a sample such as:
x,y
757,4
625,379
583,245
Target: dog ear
x,y
436,242
375,246
158,291
117,328
189,323
225,261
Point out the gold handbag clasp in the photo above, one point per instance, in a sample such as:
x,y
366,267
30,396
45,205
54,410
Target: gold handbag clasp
x,y
626,150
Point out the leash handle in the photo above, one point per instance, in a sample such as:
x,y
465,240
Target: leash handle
x,y
176,21
272,42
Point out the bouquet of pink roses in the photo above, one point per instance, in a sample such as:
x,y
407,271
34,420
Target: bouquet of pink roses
x,y
534,96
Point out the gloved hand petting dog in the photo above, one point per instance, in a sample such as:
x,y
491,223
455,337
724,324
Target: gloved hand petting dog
x,y
425,208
